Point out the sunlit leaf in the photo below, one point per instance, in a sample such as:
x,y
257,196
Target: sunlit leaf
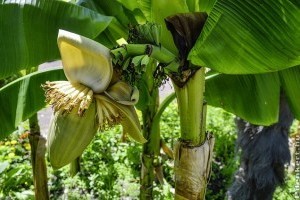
x,y
119,26
23,97
242,37
29,30
156,11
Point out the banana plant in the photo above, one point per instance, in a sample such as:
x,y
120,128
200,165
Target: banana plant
x,y
237,50
233,41
93,98
38,162
59,89
238,37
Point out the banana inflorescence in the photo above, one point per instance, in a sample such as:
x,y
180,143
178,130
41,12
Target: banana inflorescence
x,y
92,99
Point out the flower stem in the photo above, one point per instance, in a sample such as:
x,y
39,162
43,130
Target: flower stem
x,y
151,131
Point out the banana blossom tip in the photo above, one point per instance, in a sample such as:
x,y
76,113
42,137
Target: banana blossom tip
x,y
89,71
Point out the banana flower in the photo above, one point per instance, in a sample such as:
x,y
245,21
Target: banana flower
x,y
93,98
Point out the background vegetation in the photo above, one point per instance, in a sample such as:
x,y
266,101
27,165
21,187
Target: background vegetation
x,y
110,168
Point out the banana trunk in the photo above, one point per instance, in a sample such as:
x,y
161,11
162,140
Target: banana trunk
x,y
192,169
193,152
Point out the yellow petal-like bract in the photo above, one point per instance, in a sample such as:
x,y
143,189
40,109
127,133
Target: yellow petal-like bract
x,y
85,61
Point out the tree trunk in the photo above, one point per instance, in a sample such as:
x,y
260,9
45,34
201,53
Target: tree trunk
x,y
193,152
38,150
265,151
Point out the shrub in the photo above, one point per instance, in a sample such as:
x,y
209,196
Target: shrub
x,y
110,169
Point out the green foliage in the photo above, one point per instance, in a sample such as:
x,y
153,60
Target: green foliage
x,y
239,37
224,164
290,82
261,92
110,169
288,190
114,171
9,79
29,30
15,168
26,97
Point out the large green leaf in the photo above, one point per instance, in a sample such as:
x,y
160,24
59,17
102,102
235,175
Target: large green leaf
x,y
23,97
242,37
290,82
119,26
206,5
254,98
29,29
200,5
110,8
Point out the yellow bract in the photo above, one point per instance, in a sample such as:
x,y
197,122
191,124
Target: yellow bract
x,y
85,61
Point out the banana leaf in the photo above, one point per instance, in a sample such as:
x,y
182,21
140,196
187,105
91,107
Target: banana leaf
x,y
247,37
251,97
255,98
200,6
290,83
23,97
29,30
123,18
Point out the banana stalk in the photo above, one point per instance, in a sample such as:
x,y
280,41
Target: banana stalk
x,y
194,149
145,66
151,131
190,100
193,152
38,149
